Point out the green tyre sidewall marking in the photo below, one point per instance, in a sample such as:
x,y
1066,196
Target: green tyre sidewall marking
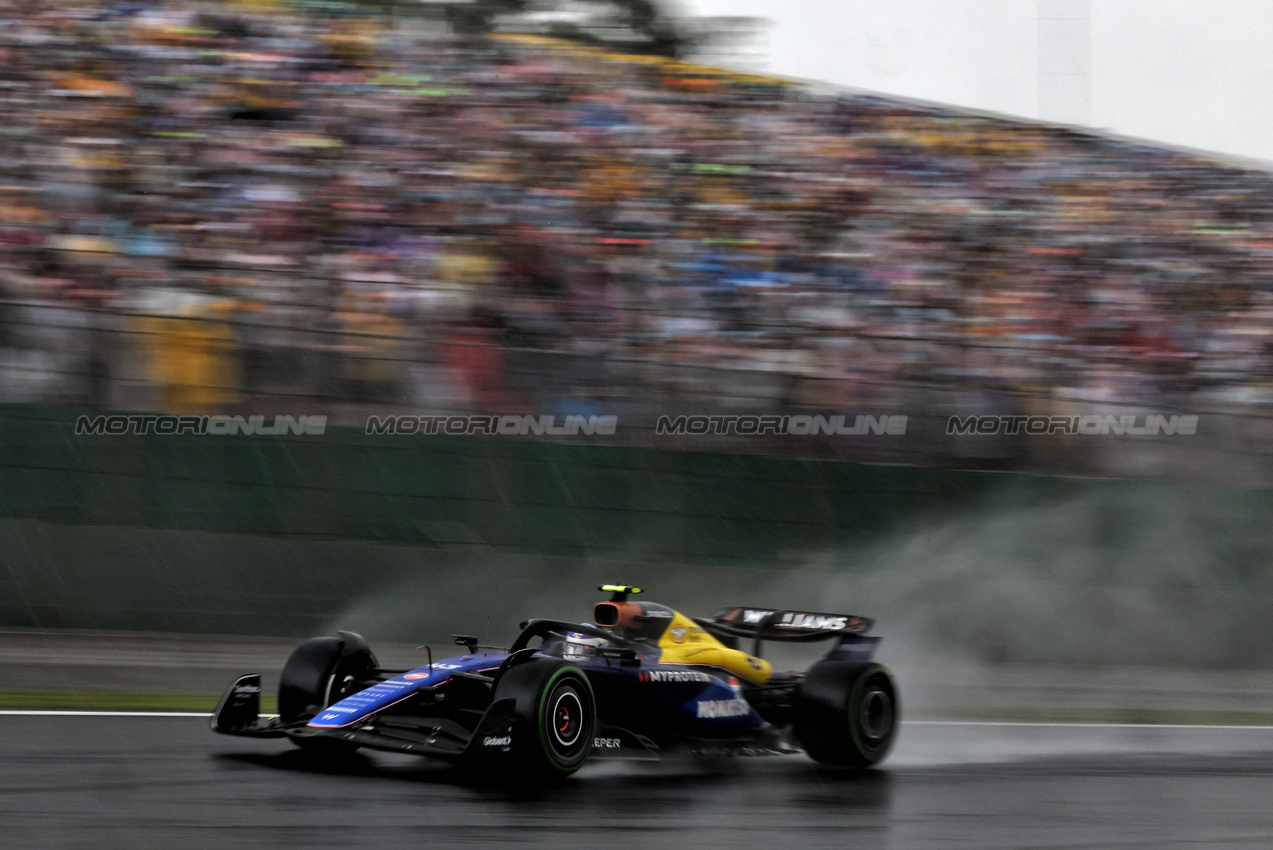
x,y
869,754
543,707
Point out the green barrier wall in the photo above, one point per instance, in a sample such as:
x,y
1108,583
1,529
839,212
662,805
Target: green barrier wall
x,y
284,535
510,495
414,538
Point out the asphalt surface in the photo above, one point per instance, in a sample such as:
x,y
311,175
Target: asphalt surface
x,y
167,782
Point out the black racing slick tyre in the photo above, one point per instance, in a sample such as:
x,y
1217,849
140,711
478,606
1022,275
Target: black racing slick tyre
x,y
556,716
847,713
322,671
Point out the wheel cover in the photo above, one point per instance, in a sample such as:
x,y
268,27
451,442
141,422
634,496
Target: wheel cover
x,y
567,718
566,722
876,714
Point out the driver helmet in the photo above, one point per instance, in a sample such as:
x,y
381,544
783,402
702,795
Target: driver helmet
x,y
581,646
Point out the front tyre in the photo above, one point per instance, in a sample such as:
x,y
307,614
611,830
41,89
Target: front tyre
x,y
847,713
556,716
320,672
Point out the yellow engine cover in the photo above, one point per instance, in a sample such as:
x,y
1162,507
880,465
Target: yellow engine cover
x,y
686,642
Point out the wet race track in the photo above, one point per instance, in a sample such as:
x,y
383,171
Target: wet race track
x,y
167,782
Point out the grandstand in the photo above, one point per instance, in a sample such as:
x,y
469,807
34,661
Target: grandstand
x,y
227,208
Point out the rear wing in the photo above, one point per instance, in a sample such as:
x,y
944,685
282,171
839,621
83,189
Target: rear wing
x,y
761,624
770,624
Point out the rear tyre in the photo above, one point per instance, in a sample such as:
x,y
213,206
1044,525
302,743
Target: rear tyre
x,y
847,713
556,716
320,672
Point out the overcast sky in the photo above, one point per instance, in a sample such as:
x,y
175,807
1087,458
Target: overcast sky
x,y
1195,73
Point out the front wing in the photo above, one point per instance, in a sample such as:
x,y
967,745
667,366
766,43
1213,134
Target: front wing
x,y
239,714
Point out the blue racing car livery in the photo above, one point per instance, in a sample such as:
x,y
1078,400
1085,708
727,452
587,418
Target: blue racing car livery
x,y
639,680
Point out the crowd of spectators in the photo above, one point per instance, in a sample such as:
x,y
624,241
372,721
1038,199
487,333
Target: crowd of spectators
x,y
361,207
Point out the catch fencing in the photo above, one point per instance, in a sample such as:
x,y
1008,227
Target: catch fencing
x,y
204,357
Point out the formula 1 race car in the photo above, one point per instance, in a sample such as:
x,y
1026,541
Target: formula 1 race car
x,y
638,680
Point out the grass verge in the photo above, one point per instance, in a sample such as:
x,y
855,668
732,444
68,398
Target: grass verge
x,y
73,701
